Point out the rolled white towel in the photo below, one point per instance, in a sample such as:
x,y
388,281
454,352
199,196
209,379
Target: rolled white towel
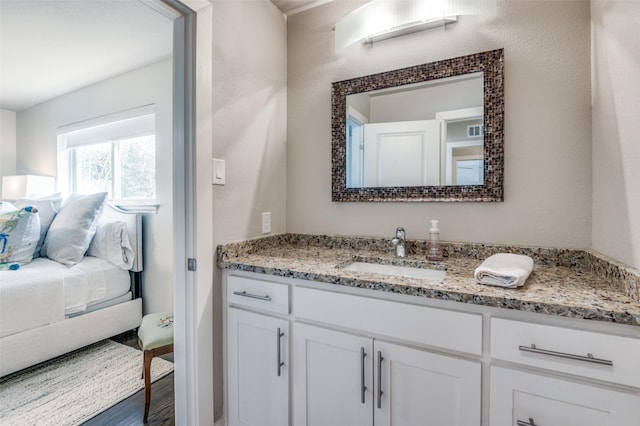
x,y
504,270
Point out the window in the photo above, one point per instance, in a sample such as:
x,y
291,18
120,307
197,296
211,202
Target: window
x,y
115,154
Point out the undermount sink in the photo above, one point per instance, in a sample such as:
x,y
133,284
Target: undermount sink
x,y
395,270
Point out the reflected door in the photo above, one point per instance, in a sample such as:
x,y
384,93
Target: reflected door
x,y
402,154
469,172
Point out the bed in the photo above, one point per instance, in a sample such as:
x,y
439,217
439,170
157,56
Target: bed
x,y
48,308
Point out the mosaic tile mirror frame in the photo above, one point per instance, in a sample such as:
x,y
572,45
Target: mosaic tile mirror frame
x,y
491,64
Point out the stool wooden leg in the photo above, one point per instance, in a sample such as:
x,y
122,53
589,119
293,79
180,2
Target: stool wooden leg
x,y
148,356
142,370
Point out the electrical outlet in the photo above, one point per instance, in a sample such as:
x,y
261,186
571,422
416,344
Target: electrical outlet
x,y
266,222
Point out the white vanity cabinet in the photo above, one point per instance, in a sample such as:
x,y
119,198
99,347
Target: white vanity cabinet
x,y
345,379
416,387
521,398
304,353
362,375
332,378
257,353
549,397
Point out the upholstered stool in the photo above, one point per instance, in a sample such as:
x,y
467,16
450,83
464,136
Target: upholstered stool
x,y
155,338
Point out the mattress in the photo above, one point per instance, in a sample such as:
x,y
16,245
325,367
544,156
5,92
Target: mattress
x,y
104,304
94,281
44,292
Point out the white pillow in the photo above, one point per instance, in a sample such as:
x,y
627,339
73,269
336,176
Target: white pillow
x,y
19,233
111,243
72,229
47,207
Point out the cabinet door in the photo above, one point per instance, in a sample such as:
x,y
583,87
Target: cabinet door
x,y
422,388
523,399
332,378
258,369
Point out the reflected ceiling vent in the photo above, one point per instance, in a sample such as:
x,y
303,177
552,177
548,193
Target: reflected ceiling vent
x,y
475,130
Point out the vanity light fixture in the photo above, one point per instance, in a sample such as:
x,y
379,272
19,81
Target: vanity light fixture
x,y
412,27
383,19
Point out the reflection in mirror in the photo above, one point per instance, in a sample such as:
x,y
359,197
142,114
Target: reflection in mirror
x,y
432,132
422,134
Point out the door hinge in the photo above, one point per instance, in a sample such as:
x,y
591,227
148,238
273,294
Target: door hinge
x,y
191,264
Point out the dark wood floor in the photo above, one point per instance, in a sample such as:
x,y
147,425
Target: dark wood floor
x,y
131,410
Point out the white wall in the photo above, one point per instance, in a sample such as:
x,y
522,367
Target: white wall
x,y
249,130
423,104
7,142
616,144
547,125
37,154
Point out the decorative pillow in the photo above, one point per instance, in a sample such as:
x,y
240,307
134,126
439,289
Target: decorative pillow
x,y
111,243
72,229
19,233
47,207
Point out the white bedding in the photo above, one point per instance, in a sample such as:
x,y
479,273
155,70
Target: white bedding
x,y
44,292
100,281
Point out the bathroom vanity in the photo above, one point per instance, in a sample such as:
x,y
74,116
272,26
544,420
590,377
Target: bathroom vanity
x,y
311,342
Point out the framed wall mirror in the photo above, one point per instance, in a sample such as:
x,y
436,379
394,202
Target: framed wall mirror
x,y
431,132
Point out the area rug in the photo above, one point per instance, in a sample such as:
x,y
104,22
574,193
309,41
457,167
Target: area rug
x,y
71,389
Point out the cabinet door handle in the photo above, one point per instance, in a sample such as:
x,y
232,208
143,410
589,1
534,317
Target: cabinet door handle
x,y
280,362
253,296
363,387
380,359
588,358
529,423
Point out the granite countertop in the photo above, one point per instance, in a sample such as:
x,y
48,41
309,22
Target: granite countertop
x,y
564,282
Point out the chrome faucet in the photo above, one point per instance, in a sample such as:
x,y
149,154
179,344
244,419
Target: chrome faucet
x,y
398,242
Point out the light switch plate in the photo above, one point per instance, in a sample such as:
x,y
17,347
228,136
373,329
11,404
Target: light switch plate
x,y
266,222
219,172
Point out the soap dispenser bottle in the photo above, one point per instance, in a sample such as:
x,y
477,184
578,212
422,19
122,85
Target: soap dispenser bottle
x,y
434,252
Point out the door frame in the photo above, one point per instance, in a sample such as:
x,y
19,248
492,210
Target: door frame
x,y
192,116
445,117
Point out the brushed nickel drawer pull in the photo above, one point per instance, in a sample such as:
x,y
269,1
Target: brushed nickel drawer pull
x,y
380,359
279,360
588,358
253,296
529,423
363,387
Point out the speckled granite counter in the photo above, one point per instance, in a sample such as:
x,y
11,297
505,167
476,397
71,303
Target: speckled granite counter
x,y
570,283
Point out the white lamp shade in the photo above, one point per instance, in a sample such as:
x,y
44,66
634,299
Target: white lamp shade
x,y
6,206
26,186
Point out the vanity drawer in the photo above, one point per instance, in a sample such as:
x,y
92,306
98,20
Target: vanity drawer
x,y
584,353
255,293
441,328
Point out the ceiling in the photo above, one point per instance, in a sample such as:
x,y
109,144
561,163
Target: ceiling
x,y
291,7
52,47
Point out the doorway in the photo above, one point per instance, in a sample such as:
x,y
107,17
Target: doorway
x,y
193,305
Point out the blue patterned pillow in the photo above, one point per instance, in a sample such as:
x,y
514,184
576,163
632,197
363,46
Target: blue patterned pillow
x,y
19,235
47,207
